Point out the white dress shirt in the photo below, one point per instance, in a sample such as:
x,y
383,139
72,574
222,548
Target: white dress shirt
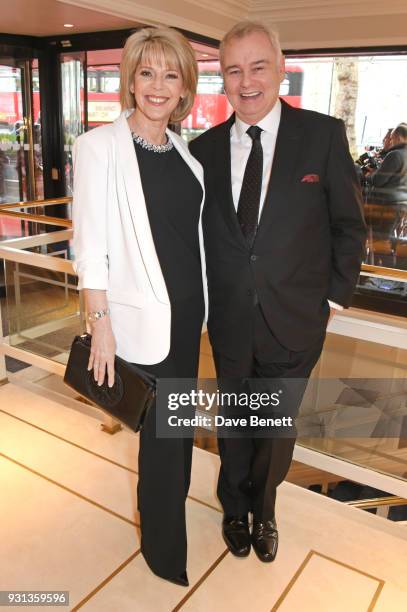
x,y
240,147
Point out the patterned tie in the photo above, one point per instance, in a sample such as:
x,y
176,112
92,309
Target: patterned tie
x,y
249,200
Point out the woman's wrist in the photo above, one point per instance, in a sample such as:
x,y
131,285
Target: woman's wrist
x,y
103,323
96,315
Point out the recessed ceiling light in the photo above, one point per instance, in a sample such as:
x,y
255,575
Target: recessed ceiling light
x,y
205,55
68,25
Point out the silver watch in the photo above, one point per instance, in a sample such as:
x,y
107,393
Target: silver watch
x,y
97,314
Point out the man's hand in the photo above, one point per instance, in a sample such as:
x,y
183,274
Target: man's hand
x,y
332,312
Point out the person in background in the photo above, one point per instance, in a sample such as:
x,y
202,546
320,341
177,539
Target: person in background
x,y
3,165
284,238
389,183
138,196
386,143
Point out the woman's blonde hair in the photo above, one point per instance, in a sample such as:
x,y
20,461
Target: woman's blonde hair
x,y
151,45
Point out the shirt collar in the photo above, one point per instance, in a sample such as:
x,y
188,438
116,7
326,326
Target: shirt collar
x,y
269,123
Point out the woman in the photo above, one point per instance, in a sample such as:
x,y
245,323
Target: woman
x,y
138,196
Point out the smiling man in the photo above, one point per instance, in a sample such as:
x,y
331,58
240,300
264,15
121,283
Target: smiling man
x,y
284,238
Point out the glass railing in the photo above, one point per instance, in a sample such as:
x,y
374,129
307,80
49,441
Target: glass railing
x,y
44,312
358,404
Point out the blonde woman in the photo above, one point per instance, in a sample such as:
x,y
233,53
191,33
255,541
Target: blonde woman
x,y
138,196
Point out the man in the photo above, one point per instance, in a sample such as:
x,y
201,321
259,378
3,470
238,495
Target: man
x,y
389,183
390,180
284,232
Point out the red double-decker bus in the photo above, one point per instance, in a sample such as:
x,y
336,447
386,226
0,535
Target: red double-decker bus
x,y
211,105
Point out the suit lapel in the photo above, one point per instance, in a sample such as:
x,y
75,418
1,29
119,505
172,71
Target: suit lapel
x,y
127,165
288,146
223,180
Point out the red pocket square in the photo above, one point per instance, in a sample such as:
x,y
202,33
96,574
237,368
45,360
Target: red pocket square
x,y
310,178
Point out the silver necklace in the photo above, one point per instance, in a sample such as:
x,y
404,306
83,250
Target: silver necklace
x,y
152,147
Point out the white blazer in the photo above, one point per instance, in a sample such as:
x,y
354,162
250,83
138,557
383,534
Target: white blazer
x,y
112,240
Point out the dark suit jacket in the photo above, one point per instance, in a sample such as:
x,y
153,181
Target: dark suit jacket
x,y
310,240
390,180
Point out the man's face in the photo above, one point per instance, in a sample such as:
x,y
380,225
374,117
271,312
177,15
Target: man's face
x,y
252,75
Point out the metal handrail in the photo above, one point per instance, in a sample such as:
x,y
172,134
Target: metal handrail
x,y
7,211
376,502
36,259
396,273
38,218
34,203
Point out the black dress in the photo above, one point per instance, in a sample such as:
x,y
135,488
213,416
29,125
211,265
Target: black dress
x,y
173,197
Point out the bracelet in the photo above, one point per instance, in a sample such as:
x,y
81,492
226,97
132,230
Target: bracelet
x,y
97,314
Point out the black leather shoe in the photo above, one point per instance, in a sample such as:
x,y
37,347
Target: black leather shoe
x,y
235,531
265,540
181,580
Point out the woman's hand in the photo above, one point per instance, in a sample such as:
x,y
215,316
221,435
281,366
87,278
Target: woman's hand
x,y
103,350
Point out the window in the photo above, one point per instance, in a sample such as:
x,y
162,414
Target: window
x,y
369,93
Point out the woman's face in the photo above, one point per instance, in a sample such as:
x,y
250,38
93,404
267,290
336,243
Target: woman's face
x,y
157,90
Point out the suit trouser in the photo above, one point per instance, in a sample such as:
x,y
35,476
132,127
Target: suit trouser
x,y
252,468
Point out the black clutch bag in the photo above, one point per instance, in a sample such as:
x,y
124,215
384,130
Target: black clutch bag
x,y
130,397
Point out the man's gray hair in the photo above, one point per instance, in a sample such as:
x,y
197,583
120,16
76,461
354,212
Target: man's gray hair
x,y
243,28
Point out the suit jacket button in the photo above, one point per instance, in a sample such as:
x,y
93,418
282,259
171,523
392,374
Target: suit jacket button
x,y
253,257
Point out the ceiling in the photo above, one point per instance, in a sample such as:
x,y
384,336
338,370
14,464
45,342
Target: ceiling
x,y
47,18
302,24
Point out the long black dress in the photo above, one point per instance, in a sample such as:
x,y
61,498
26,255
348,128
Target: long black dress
x,y
173,196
